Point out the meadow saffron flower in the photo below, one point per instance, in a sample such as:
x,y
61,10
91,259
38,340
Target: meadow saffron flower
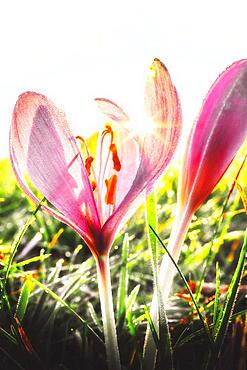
x,y
217,135
95,192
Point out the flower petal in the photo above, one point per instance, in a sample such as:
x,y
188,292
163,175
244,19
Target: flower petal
x,y
112,110
42,144
217,135
163,109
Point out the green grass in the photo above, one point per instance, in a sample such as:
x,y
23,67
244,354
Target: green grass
x,y
49,304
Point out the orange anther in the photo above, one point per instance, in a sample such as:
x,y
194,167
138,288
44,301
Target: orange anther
x,y
115,157
88,164
111,186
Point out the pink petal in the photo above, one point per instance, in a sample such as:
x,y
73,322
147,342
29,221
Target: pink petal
x,y
163,109
42,144
217,135
112,110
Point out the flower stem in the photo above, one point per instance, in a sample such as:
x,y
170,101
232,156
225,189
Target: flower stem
x,y
105,292
166,275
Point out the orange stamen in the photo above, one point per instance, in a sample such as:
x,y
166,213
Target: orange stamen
x,y
88,164
80,138
111,186
115,157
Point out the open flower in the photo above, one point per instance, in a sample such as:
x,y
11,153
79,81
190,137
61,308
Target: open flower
x,y
95,192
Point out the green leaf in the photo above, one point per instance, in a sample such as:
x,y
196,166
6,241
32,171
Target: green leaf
x,y
151,326
23,299
94,316
123,283
40,258
151,219
164,345
217,298
129,305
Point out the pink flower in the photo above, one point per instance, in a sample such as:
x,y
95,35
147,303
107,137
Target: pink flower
x,y
218,133
94,192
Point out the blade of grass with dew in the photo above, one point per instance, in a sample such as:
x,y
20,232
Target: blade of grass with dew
x,y
217,297
64,304
205,326
165,347
192,336
129,305
152,327
123,283
225,314
23,299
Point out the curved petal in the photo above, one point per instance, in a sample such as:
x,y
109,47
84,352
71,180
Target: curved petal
x,y
163,109
127,149
217,135
42,145
112,110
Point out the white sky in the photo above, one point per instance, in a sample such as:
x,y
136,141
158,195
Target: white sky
x,y
73,51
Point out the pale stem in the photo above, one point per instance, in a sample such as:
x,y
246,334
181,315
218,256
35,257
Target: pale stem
x,y
105,292
166,275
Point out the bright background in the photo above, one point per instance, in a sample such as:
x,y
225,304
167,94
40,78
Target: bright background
x,y
73,51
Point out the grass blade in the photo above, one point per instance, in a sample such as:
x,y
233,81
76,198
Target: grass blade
x,y
123,283
151,326
64,304
23,299
129,305
205,326
165,347
217,298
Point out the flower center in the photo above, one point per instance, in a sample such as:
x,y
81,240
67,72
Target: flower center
x,y
107,150
88,163
108,163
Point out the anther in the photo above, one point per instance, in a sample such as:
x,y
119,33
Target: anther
x,y
111,185
115,157
88,164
